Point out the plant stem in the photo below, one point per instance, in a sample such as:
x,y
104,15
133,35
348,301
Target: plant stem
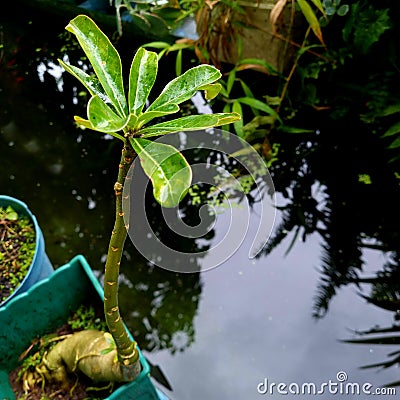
x,y
126,347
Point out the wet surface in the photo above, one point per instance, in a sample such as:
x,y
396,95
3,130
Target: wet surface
x,y
215,335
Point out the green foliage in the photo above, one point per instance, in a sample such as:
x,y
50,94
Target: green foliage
x,y
364,178
146,14
17,249
347,82
168,170
247,99
343,98
332,7
310,16
166,48
127,118
366,25
110,112
85,318
8,214
392,134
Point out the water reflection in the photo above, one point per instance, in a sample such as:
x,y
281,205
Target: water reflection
x,y
384,292
67,178
324,194
217,334
159,304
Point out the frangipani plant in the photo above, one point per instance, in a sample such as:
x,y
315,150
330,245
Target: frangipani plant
x,y
113,356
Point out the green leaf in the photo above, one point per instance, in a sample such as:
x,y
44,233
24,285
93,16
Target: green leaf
x,y
91,83
224,92
392,109
211,90
103,57
168,47
273,100
227,109
110,340
305,49
158,45
106,351
167,169
238,125
257,61
395,144
318,4
149,115
330,11
343,10
103,118
293,129
84,123
393,130
258,121
366,24
231,80
257,104
311,18
142,76
190,123
11,214
184,87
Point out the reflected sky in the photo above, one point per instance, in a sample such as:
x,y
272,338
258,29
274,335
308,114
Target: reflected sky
x,y
254,319
254,322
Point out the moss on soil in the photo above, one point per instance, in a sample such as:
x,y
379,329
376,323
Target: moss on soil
x,y
17,248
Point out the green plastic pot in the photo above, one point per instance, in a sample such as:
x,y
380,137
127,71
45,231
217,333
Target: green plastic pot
x,y
46,306
40,267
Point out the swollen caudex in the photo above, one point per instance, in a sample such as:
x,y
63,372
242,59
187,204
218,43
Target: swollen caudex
x,y
92,353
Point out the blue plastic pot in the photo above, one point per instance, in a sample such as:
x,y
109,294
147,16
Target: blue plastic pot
x,y
41,267
42,309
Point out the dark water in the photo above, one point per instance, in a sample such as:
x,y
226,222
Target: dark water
x,y
218,334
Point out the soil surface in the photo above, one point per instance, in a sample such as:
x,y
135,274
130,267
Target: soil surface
x,y
51,391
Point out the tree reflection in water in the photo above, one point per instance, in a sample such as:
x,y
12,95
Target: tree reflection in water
x,y
73,202
336,181
384,293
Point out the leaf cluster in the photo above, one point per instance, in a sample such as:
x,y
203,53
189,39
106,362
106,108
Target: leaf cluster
x,y
129,120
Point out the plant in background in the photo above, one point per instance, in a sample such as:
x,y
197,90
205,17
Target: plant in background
x,y
260,110
392,134
340,91
333,7
160,15
17,249
113,356
220,24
